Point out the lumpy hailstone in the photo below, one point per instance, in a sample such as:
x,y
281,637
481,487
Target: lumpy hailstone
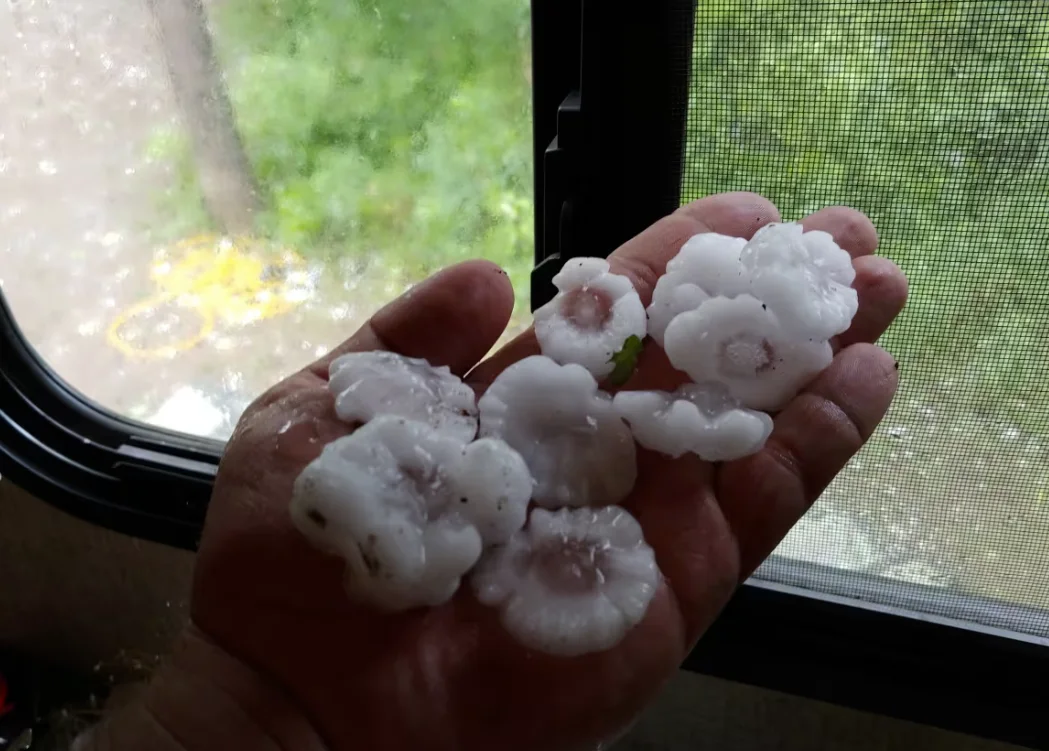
x,y
573,581
409,508
804,279
708,265
739,342
578,450
703,420
366,384
491,485
592,315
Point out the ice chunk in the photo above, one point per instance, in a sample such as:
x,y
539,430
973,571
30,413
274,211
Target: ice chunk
x,y
591,316
740,343
389,499
705,420
366,384
708,265
493,486
672,296
712,262
578,450
573,581
803,277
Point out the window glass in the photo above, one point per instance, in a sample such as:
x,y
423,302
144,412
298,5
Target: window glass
x,y
197,199
932,117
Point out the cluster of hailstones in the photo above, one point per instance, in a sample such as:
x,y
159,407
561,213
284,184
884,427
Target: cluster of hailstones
x,y
521,488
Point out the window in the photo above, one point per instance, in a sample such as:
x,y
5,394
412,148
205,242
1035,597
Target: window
x,y
207,197
930,117
168,271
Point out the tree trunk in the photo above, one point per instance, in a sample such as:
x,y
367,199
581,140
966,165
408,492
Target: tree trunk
x,y
222,167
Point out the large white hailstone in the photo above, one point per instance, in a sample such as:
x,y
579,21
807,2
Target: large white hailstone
x,y
804,277
492,489
708,265
672,296
578,450
367,384
740,343
573,581
712,262
389,499
592,315
704,420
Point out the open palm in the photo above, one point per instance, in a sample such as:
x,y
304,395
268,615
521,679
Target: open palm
x,y
450,677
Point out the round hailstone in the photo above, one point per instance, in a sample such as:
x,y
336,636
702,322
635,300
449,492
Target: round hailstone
x,y
592,315
704,420
578,450
804,278
367,384
389,499
573,581
707,266
740,343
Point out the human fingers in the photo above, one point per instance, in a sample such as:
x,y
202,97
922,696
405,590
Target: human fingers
x,y
762,496
880,285
674,502
851,229
452,318
882,290
643,258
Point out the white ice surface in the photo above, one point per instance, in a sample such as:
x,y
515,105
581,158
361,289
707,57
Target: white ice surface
x,y
366,384
573,581
578,450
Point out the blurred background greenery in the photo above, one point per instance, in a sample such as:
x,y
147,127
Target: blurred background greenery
x,y
386,129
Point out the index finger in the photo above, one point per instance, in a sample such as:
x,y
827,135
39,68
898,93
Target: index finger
x,y
643,258
452,318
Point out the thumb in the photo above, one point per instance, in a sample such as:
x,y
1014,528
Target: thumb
x,y
452,318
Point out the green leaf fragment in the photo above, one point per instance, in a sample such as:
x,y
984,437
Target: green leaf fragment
x,y
625,360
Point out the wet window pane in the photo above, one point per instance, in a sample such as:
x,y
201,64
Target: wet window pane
x,y
198,199
933,117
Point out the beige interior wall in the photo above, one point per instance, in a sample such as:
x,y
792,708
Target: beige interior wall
x,y
80,594
84,596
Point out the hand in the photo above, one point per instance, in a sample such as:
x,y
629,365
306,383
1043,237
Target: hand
x,y
451,678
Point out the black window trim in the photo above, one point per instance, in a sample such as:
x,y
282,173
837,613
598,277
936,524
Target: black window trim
x,y
89,462
973,676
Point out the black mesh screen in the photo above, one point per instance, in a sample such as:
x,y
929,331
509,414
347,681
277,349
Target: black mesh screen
x,y
933,118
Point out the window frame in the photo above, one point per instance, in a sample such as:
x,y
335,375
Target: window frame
x,y
589,100
91,463
953,674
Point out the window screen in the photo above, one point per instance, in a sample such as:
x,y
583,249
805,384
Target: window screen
x,y
933,118
198,197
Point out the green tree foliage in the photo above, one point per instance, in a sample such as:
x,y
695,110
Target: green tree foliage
x,y
931,117
401,130
387,129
